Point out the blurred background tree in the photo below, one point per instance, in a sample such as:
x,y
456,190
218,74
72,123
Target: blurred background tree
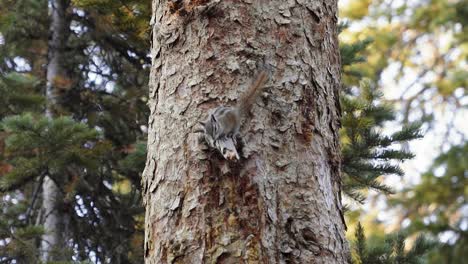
x,y
93,147
416,54
405,69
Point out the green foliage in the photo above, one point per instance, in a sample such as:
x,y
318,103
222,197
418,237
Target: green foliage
x,y
423,41
419,50
98,173
134,163
129,17
18,94
24,30
351,54
17,238
45,146
107,60
77,159
436,204
390,251
367,153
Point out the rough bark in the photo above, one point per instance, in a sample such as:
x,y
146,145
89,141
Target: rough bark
x,y
55,221
281,202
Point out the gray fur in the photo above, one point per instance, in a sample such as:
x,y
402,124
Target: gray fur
x,y
223,123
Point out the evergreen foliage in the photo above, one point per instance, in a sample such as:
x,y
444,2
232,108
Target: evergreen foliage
x,y
369,155
367,152
436,205
419,49
24,30
18,239
391,251
94,149
352,54
19,94
44,146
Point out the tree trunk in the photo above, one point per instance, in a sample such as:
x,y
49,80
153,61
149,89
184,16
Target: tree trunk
x,y
55,221
281,202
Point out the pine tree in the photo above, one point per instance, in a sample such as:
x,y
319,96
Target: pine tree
x,y
435,206
433,84
107,61
368,154
392,251
92,143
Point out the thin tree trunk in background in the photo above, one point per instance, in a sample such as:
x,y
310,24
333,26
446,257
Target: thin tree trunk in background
x,y
280,204
55,221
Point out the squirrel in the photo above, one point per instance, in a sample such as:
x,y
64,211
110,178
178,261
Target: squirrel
x,y
224,121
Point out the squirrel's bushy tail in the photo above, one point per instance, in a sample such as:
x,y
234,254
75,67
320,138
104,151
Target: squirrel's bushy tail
x,y
248,98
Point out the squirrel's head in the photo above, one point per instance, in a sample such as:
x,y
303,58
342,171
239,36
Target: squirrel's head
x,y
225,145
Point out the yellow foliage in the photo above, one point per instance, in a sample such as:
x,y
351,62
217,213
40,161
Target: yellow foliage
x,y
61,82
124,186
355,9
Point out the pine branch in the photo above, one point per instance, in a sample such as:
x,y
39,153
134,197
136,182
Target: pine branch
x,y
367,153
360,242
391,250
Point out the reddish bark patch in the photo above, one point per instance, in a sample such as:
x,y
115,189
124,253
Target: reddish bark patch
x,y
195,3
308,105
283,34
174,6
183,8
307,132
